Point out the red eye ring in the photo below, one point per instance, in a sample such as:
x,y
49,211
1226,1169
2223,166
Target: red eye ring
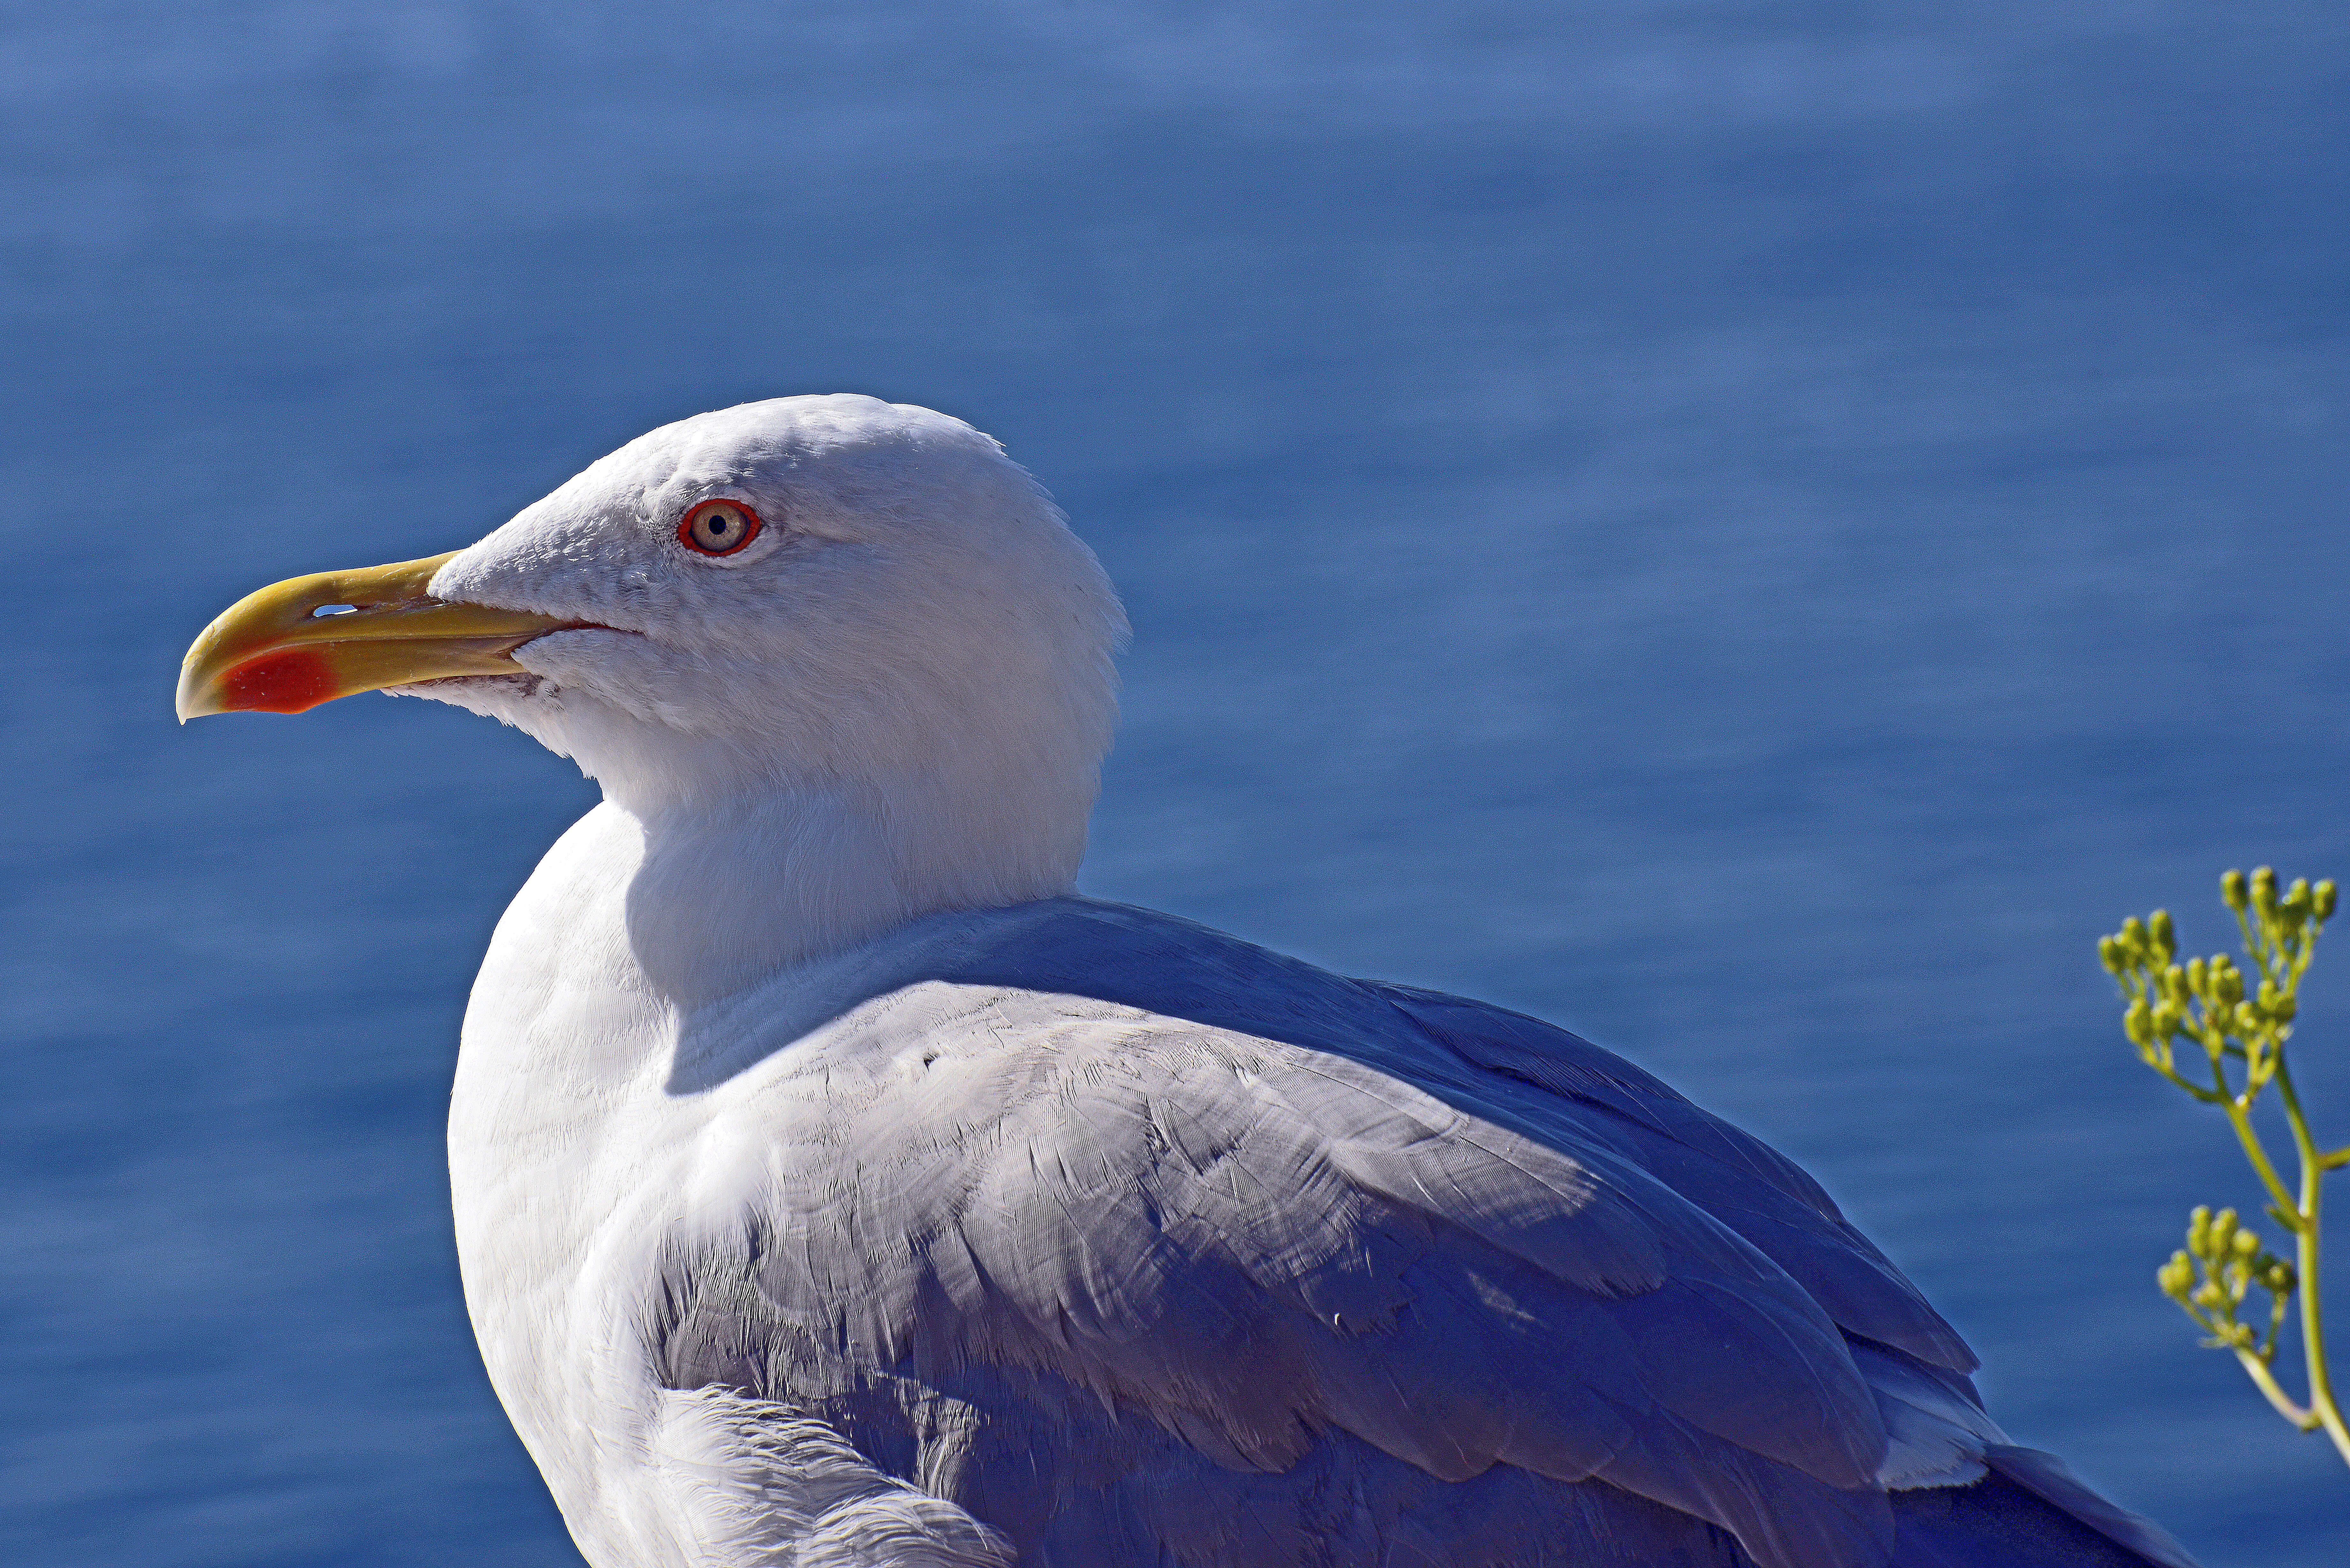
x,y
720,526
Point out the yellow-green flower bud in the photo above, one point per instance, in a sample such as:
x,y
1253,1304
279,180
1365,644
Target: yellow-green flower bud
x,y
2176,1277
2165,1020
2109,953
2198,1228
2138,1023
2174,984
2264,895
2228,983
2232,889
2247,1244
2209,1297
2166,938
2321,899
2296,899
2284,1009
2245,1020
2194,976
2280,1277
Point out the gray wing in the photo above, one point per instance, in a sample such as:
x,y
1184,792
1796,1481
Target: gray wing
x,y
1142,1245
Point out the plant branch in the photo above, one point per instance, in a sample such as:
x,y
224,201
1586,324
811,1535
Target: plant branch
x,y
2208,1000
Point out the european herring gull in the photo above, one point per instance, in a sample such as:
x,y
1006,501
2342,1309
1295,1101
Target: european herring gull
x,y
836,1186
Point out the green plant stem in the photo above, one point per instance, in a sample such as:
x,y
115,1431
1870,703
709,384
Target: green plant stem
x,y
2288,1211
2322,1403
2265,1381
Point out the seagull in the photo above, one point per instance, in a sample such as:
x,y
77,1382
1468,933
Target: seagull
x,y
836,1187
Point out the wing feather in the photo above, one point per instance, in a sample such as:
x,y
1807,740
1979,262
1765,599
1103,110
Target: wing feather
x,y
1230,1262
1179,1219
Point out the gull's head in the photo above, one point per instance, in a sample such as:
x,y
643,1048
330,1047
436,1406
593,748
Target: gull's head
x,y
832,595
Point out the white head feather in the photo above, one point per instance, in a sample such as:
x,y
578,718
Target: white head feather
x,y
895,699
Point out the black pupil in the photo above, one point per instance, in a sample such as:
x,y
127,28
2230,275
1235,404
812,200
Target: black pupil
x,y
720,522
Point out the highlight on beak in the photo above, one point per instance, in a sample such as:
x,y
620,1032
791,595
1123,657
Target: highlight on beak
x,y
308,640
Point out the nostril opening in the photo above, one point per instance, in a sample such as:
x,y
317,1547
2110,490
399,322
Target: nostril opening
x,y
332,609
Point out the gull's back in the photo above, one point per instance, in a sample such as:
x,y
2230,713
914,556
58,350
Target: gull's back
x,y
1130,1242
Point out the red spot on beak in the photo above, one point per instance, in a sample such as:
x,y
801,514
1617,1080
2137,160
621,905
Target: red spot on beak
x,y
292,682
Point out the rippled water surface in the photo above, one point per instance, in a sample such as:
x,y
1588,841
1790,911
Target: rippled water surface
x,y
1753,530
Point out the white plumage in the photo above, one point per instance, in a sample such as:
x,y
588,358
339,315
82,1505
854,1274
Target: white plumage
x,y
835,1187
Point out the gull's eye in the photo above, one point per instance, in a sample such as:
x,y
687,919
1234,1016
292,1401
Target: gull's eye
x,y
718,527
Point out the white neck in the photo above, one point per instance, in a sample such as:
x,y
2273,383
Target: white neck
x,y
730,891
745,864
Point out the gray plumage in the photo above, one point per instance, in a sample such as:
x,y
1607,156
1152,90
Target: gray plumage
x,y
1141,1244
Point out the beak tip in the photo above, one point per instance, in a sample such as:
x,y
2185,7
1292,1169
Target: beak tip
x,y
183,699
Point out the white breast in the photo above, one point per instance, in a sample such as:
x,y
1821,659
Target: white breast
x,y
576,1159
562,1154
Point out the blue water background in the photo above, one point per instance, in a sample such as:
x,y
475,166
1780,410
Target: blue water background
x,y
1753,530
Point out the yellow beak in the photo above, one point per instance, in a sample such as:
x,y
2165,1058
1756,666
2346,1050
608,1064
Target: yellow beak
x,y
273,651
